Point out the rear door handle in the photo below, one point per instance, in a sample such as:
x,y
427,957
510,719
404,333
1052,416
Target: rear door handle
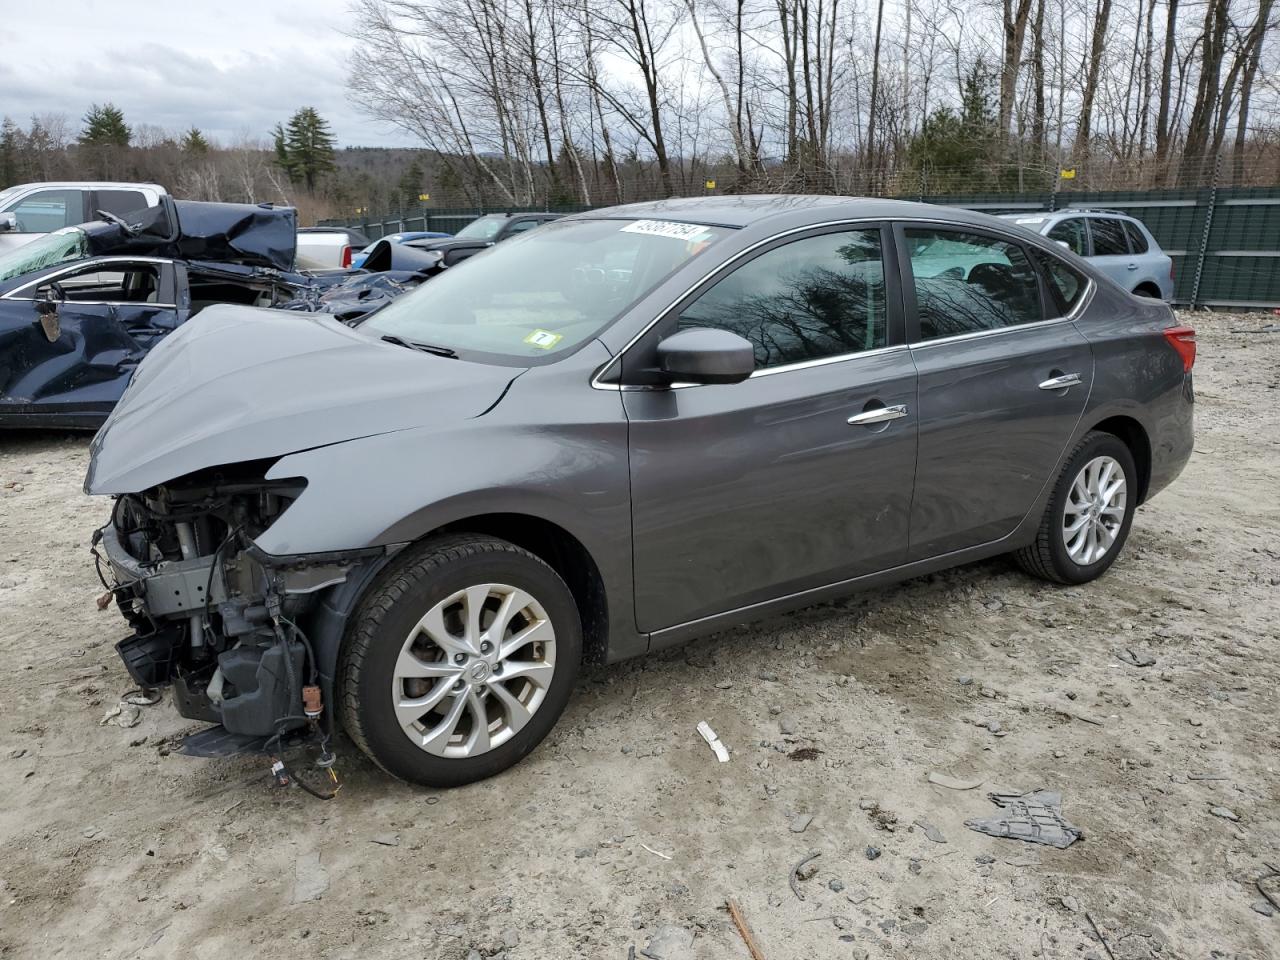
x,y
1133,266
1062,382
871,417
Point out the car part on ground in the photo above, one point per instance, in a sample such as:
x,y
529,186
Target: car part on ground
x,y
568,428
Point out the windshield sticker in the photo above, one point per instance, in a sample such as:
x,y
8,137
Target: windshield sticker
x,y
689,232
543,339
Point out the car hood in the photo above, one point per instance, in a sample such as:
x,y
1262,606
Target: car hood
x,y
241,383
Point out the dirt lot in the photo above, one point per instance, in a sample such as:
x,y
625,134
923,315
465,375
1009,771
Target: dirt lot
x,y
622,823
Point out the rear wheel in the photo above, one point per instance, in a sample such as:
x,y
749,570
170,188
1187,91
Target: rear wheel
x,y
459,664
1088,516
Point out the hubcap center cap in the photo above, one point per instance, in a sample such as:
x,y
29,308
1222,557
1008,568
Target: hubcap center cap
x,y
478,671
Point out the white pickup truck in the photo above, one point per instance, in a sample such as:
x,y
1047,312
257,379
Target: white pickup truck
x,y
30,210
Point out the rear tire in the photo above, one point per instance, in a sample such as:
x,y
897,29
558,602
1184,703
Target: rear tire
x,y
1087,519
459,663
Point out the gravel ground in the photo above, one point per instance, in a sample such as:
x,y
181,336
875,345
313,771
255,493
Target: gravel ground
x,y
622,829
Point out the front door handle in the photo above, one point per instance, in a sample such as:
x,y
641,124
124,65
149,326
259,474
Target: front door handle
x,y
1062,382
868,418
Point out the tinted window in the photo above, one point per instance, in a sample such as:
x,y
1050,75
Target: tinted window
x,y
120,202
967,282
1070,232
818,297
1108,237
1137,240
48,210
520,226
1066,286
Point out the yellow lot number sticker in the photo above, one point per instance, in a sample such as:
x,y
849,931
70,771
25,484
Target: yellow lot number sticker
x,y
543,339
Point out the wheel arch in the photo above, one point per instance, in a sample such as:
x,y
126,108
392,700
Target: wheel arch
x,y
1134,436
562,552
1148,289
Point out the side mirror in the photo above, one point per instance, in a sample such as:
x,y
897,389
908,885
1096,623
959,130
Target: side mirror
x,y
705,355
47,312
8,222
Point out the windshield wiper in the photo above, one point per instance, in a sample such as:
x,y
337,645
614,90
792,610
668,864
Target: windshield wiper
x,y
423,347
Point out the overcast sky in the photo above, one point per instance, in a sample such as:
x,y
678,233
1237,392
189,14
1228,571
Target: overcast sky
x,y
229,67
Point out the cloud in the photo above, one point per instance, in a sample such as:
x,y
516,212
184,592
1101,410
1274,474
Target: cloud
x,y
224,67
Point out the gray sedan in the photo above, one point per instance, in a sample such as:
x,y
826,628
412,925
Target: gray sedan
x,y
626,429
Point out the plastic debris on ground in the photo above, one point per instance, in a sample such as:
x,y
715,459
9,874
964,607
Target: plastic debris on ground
x,y
1035,817
709,735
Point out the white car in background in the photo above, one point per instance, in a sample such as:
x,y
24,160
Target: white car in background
x,y
28,211
328,248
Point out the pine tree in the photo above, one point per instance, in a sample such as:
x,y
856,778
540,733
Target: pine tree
x,y
194,143
11,146
410,185
304,148
104,126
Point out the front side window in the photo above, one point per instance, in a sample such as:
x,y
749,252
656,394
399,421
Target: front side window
x,y
544,293
1071,232
101,283
1108,237
822,296
520,226
967,282
1137,240
48,210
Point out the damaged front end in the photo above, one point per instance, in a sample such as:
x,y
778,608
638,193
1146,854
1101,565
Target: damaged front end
x,y
214,616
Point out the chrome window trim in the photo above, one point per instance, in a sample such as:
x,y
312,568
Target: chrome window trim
x,y
661,314
617,358
78,266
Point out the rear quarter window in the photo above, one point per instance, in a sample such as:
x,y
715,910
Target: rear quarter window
x,y
1066,284
1137,239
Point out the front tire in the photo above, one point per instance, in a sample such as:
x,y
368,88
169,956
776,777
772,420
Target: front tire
x,y
460,662
1087,520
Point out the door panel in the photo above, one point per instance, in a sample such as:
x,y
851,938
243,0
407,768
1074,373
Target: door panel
x,y
750,491
990,438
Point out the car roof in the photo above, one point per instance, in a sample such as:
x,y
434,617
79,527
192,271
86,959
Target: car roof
x,y
85,185
1067,212
786,210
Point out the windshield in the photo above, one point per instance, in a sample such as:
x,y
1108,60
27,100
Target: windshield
x,y
544,293
486,228
45,252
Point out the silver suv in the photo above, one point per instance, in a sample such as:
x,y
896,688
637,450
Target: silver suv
x,y
1118,245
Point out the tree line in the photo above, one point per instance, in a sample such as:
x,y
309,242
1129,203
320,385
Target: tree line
x,y
596,101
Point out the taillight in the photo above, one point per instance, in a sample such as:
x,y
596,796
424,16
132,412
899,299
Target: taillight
x,y
346,257
1183,339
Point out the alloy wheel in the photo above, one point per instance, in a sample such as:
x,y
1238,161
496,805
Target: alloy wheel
x,y
1094,512
474,670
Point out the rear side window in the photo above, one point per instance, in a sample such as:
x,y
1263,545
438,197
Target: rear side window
x,y
821,296
1108,237
1071,232
119,202
1066,285
1137,239
968,282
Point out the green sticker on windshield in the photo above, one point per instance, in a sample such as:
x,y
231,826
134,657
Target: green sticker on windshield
x,y
543,339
